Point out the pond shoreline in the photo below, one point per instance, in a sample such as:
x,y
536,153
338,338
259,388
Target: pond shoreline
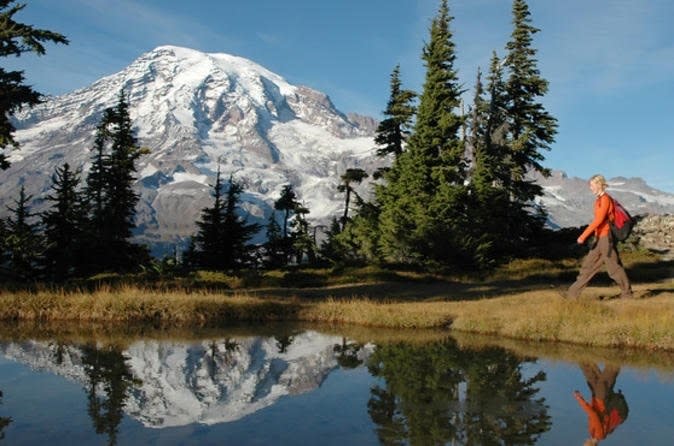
x,y
530,313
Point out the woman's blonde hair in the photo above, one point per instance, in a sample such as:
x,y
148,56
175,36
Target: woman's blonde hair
x,y
599,179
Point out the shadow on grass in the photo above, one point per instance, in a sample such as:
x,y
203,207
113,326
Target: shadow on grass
x,y
416,290
404,291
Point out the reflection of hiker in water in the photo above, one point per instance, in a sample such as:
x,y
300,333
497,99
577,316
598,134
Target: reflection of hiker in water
x,y
607,409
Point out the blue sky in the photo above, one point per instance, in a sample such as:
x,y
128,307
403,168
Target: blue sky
x,y
610,63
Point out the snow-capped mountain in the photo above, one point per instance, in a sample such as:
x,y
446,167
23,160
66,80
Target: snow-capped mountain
x,y
197,111
208,382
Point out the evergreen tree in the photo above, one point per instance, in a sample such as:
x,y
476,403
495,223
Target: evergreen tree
x,y
482,204
122,199
288,204
190,257
96,192
358,243
348,178
208,240
63,225
221,242
274,251
421,204
395,128
479,169
110,193
497,158
15,39
520,128
436,132
531,127
302,241
236,232
24,242
331,248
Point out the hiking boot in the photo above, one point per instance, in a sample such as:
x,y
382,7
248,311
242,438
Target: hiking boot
x,y
564,294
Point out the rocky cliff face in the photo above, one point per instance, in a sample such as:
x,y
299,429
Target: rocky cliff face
x,y
656,234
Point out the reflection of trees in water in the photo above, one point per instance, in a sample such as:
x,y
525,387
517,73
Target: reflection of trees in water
x,y
283,341
347,354
108,375
58,351
501,405
4,421
219,353
420,402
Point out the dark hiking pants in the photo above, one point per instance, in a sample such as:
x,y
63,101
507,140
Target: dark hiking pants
x,y
604,252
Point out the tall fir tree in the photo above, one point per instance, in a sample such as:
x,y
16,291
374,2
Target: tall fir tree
x,y
498,154
95,237
477,123
420,204
486,198
24,241
62,225
122,199
207,241
393,131
15,39
360,241
110,194
531,127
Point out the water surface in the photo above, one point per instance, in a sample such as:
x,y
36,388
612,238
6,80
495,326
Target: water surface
x,y
307,386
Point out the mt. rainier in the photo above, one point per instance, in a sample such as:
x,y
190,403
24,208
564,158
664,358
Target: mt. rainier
x,y
195,111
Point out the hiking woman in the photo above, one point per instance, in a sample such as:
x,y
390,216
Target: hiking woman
x,y
603,250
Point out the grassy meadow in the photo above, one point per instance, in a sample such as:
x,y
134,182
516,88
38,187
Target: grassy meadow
x,y
519,300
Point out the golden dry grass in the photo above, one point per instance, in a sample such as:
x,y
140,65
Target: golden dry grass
x,y
517,301
538,315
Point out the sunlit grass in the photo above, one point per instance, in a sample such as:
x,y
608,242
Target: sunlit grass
x,y
517,301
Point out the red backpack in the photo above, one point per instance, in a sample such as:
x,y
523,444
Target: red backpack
x,y
621,222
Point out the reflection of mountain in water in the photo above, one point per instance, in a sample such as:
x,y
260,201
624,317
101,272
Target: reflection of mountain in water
x,y
207,382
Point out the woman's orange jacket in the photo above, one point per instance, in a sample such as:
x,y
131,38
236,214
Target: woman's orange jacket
x,y
600,423
603,208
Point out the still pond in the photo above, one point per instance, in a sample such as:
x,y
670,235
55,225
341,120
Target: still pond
x,y
309,386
